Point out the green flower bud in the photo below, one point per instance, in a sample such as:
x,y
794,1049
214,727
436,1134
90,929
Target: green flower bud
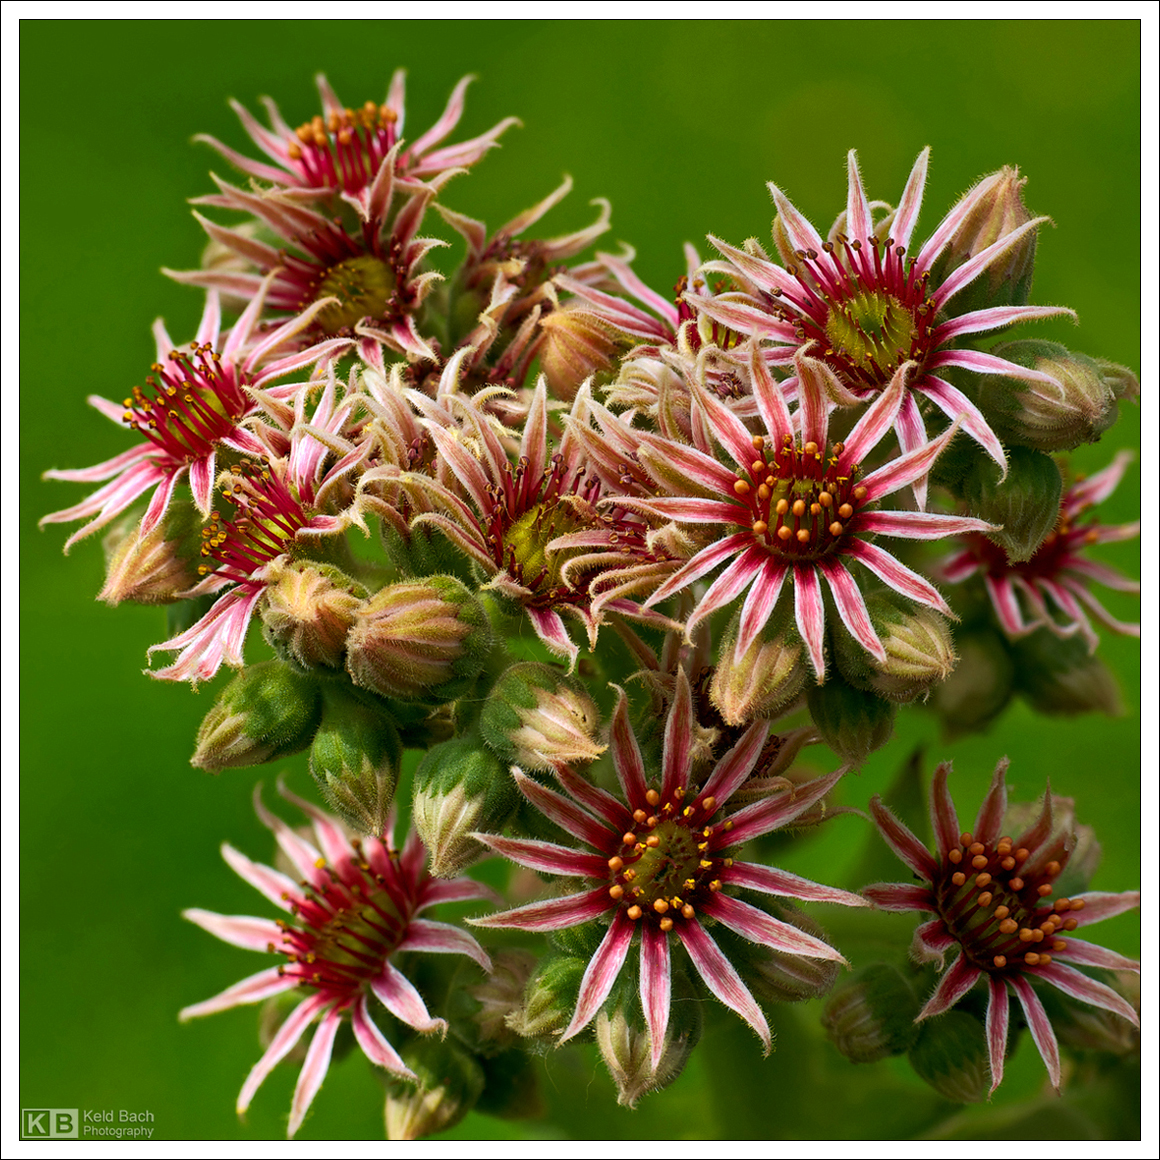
x,y
501,993
1081,1027
1059,676
355,760
550,998
981,685
1024,506
576,344
626,1048
460,788
266,712
308,610
919,650
951,1055
872,1016
157,568
450,1083
763,681
787,978
536,717
852,723
1078,410
996,215
425,639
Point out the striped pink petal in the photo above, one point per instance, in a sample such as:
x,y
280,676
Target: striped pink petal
x,y
944,819
656,986
767,815
547,857
602,971
851,607
566,814
253,989
280,1046
959,978
720,977
810,616
769,880
758,927
441,938
373,1043
903,842
1040,1026
252,934
397,993
998,1011
897,575
553,914
314,1069
900,895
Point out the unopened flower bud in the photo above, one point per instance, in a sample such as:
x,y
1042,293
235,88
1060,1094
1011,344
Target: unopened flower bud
x,y
1024,507
872,1016
1078,408
157,568
1080,1027
919,650
308,610
1059,676
1078,840
626,1049
266,712
951,1055
501,993
355,760
536,717
576,344
853,723
550,997
997,214
450,1083
461,788
424,639
981,685
762,681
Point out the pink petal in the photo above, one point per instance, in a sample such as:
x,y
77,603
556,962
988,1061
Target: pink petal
x,y
943,818
1098,905
858,223
957,406
802,235
703,562
253,934
919,525
553,914
908,208
594,799
282,891
955,983
1089,955
810,615
397,993
990,816
998,1010
900,896
441,938
760,603
903,842
896,575
1006,605
655,988
253,989
762,817
878,419
911,432
720,977
374,1043
994,318
313,1072
732,770
547,857
769,880
570,817
626,753
851,607
970,270
677,756
1040,1026
758,927
550,629
280,1046
602,972
732,581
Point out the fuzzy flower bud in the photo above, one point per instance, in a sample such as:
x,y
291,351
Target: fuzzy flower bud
x,y
872,1016
780,977
266,712
157,568
355,760
536,717
764,680
1049,417
919,650
309,609
501,993
627,1052
1059,676
576,345
951,1056
1084,1028
424,639
450,1083
550,997
460,788
852,723
1024,507
996,215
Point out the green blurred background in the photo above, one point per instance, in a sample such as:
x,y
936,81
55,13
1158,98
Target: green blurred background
x,y
680,125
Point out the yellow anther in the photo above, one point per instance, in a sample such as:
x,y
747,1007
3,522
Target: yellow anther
x,y
741,487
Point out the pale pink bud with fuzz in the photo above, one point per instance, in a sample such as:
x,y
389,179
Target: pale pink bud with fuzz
x,y
309,609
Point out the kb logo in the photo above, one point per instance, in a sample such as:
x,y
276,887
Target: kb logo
x,y
49,1123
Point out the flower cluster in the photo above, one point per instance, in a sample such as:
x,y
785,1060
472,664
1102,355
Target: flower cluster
x,y
607,558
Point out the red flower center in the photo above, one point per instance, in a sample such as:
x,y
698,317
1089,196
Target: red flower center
x,y
190,405
997,908
346,149
346,931
662,870
800,507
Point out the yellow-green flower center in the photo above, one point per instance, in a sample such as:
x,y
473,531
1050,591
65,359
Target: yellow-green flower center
x,y
871,328
527,540
364,286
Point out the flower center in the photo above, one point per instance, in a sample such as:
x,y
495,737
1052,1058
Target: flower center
x,y
347,931
346,149
867,310
268,520
795,500
997,907
189,405
527,540
364,286
663,870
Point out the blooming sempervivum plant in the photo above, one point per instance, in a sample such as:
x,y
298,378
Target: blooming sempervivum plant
x,y
346,151
535,527
357,906
280,512
195,402
859,304
662,864
1059,571
991,896
800,508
